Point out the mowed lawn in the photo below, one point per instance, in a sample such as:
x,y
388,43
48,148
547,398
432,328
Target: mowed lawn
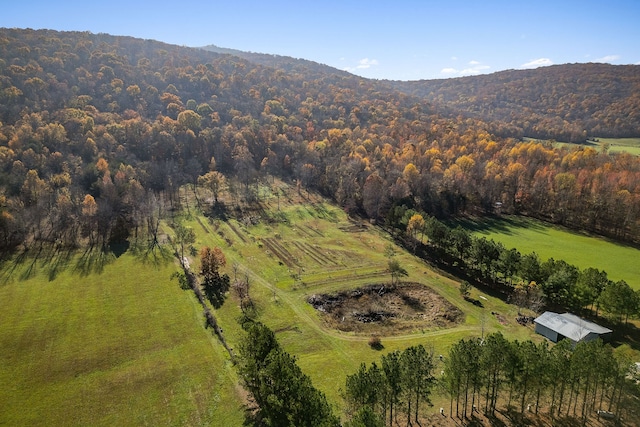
x,y
120,346
528,235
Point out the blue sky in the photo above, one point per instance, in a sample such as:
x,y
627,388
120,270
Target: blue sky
x,y
401,39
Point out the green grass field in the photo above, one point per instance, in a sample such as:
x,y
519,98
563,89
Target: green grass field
x,y
629,145
326,252
529,235
122,346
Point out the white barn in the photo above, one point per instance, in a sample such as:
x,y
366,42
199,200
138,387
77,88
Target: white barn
x,y
556,326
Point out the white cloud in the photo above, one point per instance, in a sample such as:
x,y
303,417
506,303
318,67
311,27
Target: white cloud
x,y
637,63
608,58
540,62
366,63
363,64
454,58
476,68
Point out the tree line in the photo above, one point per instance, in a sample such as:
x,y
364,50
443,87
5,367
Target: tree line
x,y
404,381
285,396
483,374
478,375
528,281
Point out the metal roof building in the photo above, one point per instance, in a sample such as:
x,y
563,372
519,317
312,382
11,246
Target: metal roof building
x,y
556,326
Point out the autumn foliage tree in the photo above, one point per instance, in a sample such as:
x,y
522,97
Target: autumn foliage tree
x,y
213,181
215,285
71,121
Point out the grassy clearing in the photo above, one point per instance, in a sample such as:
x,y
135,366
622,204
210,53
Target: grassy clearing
x,y
125,346
313,247
529,235
613,145
630,145
94,343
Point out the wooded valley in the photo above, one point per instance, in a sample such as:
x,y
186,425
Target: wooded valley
x,y
122,121
106,141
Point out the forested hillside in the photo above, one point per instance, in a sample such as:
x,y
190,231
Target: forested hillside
x,y
98,134
310,69
106,146
563,102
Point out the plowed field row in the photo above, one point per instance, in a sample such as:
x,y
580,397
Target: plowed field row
x,y
315,254
280,251
346,278
237,232
313,231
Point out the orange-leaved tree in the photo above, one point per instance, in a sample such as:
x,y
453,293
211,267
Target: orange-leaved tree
x,y
215,285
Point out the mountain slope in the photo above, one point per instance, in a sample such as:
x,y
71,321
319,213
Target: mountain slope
x,y
286,63
564,102
96,130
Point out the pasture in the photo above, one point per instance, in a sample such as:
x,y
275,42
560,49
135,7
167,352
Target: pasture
x,y
629,145
612,145
303,246
527,235
94,340
118,344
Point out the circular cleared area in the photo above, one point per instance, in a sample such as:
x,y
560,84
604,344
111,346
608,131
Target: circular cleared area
x,y
386,310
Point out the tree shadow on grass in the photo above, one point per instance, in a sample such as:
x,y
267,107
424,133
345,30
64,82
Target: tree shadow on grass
x,y
119,248
93,260
40,254
29,257
11,264
52,258
157,254
622,333
498,224
58,260
474,301
30,269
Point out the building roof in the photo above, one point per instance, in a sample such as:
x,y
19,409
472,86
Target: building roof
x,y
570,325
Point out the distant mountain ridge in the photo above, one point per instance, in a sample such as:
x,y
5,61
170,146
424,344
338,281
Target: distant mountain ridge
x,y
564,102
568,102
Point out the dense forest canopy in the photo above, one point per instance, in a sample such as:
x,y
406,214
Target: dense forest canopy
x,y
562,102
99,133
